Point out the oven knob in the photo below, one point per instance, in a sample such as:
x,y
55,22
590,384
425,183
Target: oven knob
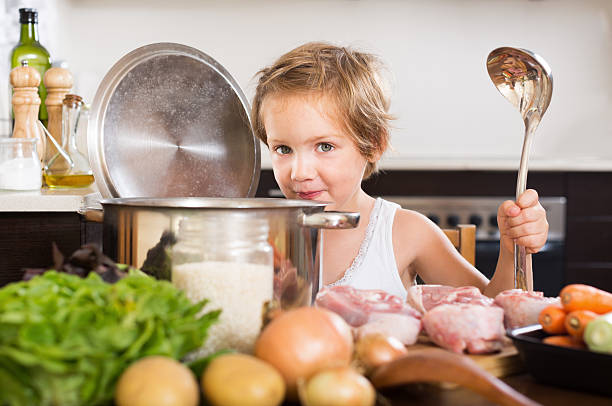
x,y
493,220
452,220
475,219
434,218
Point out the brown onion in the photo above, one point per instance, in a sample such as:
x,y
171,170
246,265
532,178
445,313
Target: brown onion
x,y
337,387
304,341
376,349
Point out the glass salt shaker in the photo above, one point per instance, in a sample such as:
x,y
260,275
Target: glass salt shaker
x,y
226,259
19,164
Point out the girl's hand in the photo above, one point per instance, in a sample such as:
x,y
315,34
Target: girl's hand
x,y
523,221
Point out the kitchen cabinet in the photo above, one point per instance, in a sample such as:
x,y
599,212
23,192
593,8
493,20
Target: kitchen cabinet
x,y
587,255
26,234
31,221
589,229
26,239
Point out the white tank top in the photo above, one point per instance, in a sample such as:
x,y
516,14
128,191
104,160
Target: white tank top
x,y
374,267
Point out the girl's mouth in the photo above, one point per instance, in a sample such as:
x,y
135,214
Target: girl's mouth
x,y
309,195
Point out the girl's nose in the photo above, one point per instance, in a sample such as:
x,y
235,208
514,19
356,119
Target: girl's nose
x,y
302,169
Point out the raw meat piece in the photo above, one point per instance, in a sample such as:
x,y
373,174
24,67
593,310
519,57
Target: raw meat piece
x,y
426,297
357,305
404,328
459,327
372,311
521,308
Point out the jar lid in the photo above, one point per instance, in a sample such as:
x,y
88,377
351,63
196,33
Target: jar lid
x,y
169,121
72,100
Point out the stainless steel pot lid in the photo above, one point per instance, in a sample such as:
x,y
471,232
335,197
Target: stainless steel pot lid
x,y
169,121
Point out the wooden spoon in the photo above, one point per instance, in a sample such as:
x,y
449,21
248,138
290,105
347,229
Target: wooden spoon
x,y
437,365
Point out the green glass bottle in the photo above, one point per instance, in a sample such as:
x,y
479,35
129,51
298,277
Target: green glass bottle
x,y
28,48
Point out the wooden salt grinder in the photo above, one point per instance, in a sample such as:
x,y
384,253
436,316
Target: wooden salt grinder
x,y
58,82
26,102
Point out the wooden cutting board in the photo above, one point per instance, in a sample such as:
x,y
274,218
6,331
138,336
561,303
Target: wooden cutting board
x,y
501,364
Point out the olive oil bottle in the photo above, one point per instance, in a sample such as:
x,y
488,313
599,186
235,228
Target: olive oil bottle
x,y
30,49
69,168
68,181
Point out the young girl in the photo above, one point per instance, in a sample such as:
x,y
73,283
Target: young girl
x,y
322,111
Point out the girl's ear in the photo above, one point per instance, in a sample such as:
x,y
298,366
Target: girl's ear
x,y
375,157
383,143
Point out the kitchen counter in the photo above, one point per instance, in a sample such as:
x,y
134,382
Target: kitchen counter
x,y
578,164
71,200
571,164
48,200
426,395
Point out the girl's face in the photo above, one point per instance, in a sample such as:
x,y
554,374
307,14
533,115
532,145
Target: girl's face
x,y
311,155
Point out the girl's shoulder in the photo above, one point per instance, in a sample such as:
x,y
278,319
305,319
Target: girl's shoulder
x,y
411,227
408,217
412,234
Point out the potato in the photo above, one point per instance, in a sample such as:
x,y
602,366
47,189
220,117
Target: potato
x,y
240,379
157,381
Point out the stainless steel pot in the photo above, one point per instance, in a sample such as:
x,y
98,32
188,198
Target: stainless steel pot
x,y
141,231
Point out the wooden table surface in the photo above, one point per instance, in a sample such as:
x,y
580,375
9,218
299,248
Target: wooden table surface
x,y
425,395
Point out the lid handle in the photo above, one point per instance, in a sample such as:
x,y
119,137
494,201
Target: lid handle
x,y
329,220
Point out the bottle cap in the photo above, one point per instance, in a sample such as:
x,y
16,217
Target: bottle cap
x,y
28,15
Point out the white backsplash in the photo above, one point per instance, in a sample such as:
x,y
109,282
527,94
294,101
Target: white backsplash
x,y
447,108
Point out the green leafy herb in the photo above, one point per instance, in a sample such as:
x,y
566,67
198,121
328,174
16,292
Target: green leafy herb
x,y
65,340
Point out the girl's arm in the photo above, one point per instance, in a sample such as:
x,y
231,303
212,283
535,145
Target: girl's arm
x,y
422,247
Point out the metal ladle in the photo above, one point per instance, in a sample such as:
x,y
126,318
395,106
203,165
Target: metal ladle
x,y
525,79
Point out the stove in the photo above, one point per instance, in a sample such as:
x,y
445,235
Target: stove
x,y
448,212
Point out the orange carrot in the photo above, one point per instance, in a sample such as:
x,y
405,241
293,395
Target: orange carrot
x,y
576,321
563,341
584,297
552,319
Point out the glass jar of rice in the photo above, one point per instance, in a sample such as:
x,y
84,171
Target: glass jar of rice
x,y
226,259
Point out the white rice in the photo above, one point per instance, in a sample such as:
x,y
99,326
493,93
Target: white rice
x,y
238,289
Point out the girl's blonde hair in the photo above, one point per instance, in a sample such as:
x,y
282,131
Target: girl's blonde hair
x,y
353,80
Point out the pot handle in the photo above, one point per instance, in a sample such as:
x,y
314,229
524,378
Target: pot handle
x,y
92,214
329,219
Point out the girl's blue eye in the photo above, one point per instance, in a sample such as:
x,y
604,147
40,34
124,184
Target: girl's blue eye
x,y
283,149
325,147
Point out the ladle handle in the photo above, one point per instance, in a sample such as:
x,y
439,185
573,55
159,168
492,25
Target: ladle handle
x,y
520,256
520,267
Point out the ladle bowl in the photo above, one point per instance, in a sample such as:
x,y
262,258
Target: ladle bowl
x,y
525,79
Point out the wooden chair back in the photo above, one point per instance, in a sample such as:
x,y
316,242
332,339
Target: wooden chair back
x,y
463,237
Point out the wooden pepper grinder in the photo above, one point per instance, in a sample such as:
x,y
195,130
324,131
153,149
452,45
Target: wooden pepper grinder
x,y
58,82
26,102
